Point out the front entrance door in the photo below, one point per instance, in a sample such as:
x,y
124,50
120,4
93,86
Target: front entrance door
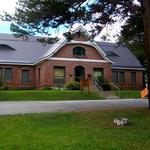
x,y
79,73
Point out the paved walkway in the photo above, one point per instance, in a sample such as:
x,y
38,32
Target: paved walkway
x,y
22,107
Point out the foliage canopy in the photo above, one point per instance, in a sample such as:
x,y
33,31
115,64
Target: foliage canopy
x,y
37,16
132,34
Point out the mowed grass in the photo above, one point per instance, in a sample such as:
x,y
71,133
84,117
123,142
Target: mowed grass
x,y
129,94
76,131
49,95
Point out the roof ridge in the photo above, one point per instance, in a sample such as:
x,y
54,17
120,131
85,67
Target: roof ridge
x,y
11,37
110,43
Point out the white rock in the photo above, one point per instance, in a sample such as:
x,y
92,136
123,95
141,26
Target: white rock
x,y
121,121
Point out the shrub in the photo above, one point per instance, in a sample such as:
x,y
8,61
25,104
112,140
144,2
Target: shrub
x,y
47,88
73,85
2,85
5,88
1,82
24,88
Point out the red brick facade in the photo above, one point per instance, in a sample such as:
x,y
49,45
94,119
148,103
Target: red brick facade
x,y
47,74
127,84
67,52
42,74
16,81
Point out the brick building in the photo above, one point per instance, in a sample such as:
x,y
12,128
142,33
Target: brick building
x,y
29,63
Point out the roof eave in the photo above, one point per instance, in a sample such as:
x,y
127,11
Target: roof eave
x,y
128,68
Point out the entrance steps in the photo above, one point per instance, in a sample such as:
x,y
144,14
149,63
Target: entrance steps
x,y
106,94
111,95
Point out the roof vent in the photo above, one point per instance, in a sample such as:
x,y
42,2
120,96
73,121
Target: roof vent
x,y
5,47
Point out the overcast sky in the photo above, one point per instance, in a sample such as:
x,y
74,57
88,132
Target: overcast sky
x,y
9,6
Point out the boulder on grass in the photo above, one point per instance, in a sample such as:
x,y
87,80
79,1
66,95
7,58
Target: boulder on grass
x,y
121,121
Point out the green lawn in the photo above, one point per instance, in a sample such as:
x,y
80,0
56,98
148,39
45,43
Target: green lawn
x,y
52,95
76,131
129,94
18,95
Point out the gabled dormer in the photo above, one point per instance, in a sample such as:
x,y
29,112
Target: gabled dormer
x,y
77,44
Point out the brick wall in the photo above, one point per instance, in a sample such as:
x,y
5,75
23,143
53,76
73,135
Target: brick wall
x,y
48,66
47,70
79,38
17,76
67,52
127,84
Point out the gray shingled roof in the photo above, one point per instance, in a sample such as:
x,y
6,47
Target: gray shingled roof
x,y
14,50
25,51
124,58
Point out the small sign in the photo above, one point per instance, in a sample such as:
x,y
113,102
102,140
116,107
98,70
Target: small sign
x,y
84,83
144,92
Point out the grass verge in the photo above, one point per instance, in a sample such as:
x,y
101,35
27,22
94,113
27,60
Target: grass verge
x,y
76,131
49,95
129,94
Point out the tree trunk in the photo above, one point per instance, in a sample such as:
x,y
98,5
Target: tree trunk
x,y
147,40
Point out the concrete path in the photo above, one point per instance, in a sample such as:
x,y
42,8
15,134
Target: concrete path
x,y
23,107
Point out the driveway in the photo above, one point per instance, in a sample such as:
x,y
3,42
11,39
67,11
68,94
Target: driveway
x,y
23,107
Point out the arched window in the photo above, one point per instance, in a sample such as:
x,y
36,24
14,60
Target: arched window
x,y
79,51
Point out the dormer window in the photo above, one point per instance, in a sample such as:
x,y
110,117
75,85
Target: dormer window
x,y
111,54
79,51
5,47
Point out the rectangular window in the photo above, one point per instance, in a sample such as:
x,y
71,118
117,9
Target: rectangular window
x,y
59,75
8,74
98,72
25,76
118,77
115,77
1,73
121,77
133,77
